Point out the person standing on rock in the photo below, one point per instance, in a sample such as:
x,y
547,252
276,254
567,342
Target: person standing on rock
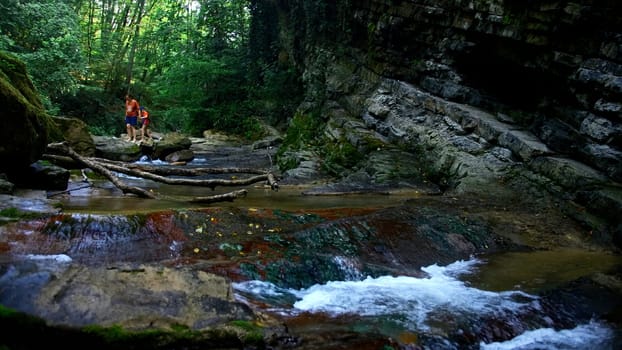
x,y
144,118
132,109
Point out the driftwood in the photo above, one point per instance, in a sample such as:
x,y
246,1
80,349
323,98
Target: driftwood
x,y
106,168
181,171
211,183
230,196
68,151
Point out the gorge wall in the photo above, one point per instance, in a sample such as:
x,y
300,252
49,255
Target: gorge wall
x,y
484,94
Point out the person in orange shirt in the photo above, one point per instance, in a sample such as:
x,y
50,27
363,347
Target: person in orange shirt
x,y
131,117
144,118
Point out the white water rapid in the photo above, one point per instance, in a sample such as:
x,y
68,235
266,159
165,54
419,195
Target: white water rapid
x,y
421,304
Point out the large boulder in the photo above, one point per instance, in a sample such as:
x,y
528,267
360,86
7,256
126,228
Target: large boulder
x,y
23,121
76,133
115,148
171,143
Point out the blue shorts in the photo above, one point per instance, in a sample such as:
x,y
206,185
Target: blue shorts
x,y
131,120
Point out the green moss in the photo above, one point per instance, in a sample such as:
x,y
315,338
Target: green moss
x,y
19,98
17,214
252,333
10,212
14,71
37,332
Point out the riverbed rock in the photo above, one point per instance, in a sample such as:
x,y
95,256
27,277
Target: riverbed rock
x,y
170,143
114,148
184,155
134,296
450,81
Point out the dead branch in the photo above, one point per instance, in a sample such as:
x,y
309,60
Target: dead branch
x,y
211,183
106,167
180,171
64,148
272,181
220,197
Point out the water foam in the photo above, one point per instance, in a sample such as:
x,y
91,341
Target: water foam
x,y
411,298
413,302
594,335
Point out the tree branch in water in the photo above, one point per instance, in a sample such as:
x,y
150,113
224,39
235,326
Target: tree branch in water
x,y
105,167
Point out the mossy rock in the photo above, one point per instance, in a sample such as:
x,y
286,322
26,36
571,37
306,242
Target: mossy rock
x,y
24,123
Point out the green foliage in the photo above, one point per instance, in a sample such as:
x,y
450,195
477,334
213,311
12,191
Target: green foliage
x,y
103,112
277,94
340,155
191,66
303,130
45,35
199,94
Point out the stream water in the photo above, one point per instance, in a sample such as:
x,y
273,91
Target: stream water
x,y
502,286
397,306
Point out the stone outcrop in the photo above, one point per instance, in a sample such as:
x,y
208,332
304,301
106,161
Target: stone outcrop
x,y
23,128
76,133
27,129
135,296
490,96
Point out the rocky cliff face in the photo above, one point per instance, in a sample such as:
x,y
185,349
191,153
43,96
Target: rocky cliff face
x,y
485,93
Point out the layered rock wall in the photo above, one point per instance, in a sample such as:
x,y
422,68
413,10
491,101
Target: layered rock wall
x,y
488,89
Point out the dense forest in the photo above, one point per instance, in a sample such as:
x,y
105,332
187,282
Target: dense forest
x,y
192,63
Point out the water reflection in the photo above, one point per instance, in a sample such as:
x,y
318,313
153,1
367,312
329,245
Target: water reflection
x,y
107,199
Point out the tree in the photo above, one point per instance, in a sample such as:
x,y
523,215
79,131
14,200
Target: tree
x,y
45,35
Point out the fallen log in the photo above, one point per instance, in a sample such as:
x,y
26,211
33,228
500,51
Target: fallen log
x,y
106,168
211,183
230,196
64,148
158,174
181,171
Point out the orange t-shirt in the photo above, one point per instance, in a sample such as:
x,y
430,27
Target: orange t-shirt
x,y
131,108
144,114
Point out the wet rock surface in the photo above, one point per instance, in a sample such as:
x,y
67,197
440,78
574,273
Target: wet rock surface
x,y
158,269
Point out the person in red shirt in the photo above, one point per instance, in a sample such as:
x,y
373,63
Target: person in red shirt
x,y
132,109
144,118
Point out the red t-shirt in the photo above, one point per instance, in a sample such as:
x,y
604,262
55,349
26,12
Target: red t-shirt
x,y
131,108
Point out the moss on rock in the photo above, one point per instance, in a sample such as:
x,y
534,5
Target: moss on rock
x,y
24,123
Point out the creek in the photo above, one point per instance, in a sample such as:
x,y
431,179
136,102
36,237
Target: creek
x,y
410,308
431,310
464,303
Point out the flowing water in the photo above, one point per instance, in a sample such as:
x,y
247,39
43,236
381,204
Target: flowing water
x,y
405,308
398,305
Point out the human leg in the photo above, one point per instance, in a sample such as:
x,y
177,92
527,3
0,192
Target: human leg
x,y
145,129
130,123
128,129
